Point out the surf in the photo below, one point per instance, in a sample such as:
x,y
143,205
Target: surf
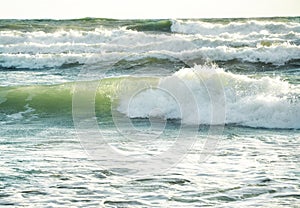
x,y
254,102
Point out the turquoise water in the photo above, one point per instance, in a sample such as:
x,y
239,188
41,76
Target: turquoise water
x,y
150,113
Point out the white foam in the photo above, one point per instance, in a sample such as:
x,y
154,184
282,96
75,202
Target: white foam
x,y
206,28
20,115
39,61
265,102
277,54
220,42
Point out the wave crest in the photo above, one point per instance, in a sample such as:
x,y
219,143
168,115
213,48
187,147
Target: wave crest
x,y
264,102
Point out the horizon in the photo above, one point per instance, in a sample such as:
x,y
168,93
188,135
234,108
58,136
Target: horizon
x,y
124,19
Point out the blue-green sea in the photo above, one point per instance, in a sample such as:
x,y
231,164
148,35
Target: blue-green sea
x,y
150,113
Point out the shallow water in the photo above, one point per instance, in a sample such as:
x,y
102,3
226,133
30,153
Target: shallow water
x,y
250,167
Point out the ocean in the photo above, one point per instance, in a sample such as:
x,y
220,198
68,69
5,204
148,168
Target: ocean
x,y
150,113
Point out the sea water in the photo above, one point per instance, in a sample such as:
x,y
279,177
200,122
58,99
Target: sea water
x,y
150,113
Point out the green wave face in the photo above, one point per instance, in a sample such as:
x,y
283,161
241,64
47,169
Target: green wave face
x,y
44,101
56,100
154,25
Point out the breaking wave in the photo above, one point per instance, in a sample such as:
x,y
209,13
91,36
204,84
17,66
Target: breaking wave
x,y
191,95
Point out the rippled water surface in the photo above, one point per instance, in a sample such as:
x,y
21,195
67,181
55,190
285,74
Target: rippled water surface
x,y
48,167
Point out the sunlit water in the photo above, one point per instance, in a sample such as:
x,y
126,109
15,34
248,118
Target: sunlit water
x,y
250,167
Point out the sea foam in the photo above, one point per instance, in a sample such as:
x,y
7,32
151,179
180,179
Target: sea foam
x,y
195,94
